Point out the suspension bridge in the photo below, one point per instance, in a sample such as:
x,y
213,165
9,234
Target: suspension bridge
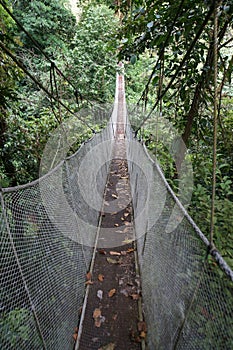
x,y
90,258
100,254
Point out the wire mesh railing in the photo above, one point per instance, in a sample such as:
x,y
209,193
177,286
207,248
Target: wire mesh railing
x,y
48,231
187,289
46,251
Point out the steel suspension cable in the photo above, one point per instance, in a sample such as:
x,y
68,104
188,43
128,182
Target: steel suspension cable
x,y
215,136
54,80
21,65
52,92
160,109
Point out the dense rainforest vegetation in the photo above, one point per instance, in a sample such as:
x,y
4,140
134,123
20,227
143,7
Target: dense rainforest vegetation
x,y
82,52
168,50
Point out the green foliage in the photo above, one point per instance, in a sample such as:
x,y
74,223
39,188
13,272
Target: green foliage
x,y
24,144
93,53
84,52
15,325
9,72
136,75
48,22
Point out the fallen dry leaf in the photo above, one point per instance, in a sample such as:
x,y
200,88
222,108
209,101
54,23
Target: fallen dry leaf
x,y
96,313
111,292
143,335
75,336
101,251
97,317
110,346
142,326
135,296
100,277
130,250
116,225
126,214
88,283
114,195
114,253
88,275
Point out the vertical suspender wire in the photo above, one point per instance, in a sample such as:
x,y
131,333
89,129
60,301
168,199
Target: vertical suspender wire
x,y
57,93
160,109
212,223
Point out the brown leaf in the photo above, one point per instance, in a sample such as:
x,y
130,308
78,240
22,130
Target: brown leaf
x,y
75,336
96,313
88,283
101,251
135,296
97,317
76,330
143,334
130,250
110,346
114,253
111,292
88,275
142,326
100,277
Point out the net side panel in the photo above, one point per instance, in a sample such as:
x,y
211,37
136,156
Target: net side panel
x,y
187,299
17,325
52,265
44,258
